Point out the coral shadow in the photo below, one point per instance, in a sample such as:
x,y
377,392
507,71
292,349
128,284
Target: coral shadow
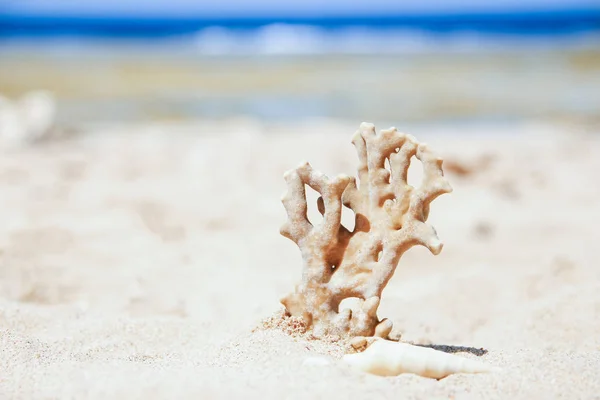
x,y
455,349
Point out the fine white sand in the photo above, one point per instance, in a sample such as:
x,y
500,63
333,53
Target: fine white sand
x,y
135,262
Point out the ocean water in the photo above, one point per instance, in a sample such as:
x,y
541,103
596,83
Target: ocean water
x,y
142,19
288,71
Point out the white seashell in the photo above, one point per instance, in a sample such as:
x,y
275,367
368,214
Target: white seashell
x,y
38,111
27,119
387,358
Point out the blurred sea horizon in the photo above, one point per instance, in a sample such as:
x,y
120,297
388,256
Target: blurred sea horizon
x,y
452,67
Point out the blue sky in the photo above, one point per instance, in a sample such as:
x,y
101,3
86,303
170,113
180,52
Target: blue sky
x,y
280,7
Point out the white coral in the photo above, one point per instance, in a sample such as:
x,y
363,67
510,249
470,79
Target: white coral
x,y
390,217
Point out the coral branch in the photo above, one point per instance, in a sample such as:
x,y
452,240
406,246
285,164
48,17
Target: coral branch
x,y
390,218
294,202
299,228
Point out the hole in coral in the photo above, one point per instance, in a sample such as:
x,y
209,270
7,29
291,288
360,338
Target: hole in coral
x,y
348,218
314,216
352,303
379,250
388,167
415,172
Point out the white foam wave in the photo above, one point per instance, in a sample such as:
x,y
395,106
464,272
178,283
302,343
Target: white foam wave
x,y
305,39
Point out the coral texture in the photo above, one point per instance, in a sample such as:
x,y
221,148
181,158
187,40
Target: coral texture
x,y
390,218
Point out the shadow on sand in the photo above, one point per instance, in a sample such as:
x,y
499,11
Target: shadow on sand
x,y
455,349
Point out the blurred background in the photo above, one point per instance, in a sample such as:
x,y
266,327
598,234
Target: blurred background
x,y
138,250
451,61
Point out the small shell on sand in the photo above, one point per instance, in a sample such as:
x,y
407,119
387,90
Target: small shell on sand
x,y
387,358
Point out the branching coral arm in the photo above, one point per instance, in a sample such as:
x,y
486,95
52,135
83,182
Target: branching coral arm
x,y
297,226
294,202
434,184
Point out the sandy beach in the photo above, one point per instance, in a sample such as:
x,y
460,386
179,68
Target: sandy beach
x,y
137,261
